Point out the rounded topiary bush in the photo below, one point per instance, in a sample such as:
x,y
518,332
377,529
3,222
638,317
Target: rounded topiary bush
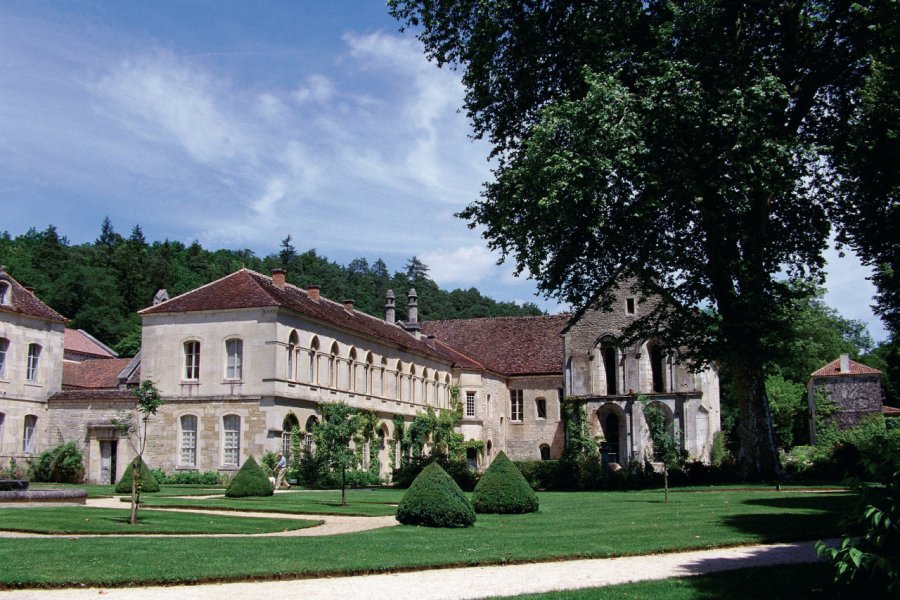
x,y
148,481
434,500
250,480
502,489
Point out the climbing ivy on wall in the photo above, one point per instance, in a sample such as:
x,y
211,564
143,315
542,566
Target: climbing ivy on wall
x,y
578,440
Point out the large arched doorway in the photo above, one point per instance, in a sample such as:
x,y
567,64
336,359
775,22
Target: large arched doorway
x,y
611,419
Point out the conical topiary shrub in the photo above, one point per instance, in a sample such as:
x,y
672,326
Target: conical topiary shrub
x,y
250,480
434,500
149,484
502,489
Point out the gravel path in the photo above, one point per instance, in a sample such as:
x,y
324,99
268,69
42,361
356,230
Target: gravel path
x,y
331,524
473,582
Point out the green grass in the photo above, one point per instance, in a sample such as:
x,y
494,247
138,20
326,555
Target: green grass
x,y
788,582
568,525
99,491
86,520
365,503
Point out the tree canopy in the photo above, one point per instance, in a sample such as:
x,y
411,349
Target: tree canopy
x,y
101,285
698,145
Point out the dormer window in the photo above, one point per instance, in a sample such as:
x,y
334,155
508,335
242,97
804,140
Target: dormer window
x,y
4,293
630,307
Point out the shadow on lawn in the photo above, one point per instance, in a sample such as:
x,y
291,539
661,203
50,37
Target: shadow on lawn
x,y
791,524
793,581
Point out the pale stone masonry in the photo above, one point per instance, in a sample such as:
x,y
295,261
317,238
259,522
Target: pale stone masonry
x,y
854,389
242,360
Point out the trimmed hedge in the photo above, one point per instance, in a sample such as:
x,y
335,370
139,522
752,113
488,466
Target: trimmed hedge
x,y
148,481
503,490
250,480
434,500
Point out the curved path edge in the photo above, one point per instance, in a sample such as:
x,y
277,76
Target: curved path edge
x,y
464,583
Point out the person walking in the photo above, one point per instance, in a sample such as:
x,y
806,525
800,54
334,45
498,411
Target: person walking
x,y
280,469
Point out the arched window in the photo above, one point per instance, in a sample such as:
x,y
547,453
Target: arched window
x,y
28,433
490,451
383,387
701,427
34,356
234,352
545,452
333,366
4,293
657,368
293,341
400,380
310,427
192,360
231,426
287,427
313,376
369,374
188,443
4,348
351,371
608,354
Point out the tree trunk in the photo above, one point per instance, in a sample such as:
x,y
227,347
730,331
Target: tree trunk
x,y
135,473
666,482
758,457
344,488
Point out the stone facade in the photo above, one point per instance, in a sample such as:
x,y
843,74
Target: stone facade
x,y
31,353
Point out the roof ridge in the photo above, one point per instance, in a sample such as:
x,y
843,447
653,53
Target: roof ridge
x,y
206,285
505,317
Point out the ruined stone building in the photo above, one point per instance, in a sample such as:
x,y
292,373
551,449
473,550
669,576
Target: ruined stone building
x,y
244,359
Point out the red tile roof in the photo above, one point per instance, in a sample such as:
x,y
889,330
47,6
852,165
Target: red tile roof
x,y
890,411
506,345
80,342
833,369
93,395
249,289
95,373
23,302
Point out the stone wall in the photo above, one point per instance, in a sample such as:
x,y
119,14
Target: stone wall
x,y
855,397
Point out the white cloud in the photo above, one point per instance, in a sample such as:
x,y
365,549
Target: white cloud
x,y
317,88
463,266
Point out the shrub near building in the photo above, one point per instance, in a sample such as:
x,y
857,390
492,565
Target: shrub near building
x,y
148,481
434,500
250,480
503,490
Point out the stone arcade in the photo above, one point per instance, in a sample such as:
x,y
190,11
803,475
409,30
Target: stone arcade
x,y
242,360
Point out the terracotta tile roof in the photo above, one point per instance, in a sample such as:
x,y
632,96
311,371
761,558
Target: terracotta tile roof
x,y
23,302
249,289
81,342
507,345
94,373
833,369
890,411
83,395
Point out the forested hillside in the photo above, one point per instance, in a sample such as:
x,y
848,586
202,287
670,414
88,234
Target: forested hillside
x,y
100,286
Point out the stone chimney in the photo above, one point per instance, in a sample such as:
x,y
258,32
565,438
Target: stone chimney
x,y
348,305
312,292
278,278
390,315
413,306
845,363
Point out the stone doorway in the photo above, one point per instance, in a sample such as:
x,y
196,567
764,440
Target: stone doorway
x,y
109,450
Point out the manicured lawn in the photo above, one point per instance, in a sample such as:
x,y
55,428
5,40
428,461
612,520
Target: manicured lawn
x,y
569,525
98,491
78,519
794,582
365,503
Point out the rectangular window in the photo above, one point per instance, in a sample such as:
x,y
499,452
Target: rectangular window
x,y
4,347
192,361
629,306
516,405
470,404
232,426
34,355
235,352
188,440
28,433
541,406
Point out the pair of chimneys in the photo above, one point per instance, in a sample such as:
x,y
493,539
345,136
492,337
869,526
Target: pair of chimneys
x,y
412,304
312,292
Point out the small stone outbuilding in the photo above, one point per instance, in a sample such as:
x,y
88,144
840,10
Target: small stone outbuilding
x,y
854,388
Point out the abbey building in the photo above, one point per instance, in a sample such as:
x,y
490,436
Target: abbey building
x,y
244,359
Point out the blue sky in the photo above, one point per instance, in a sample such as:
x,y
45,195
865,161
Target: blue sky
x,y
238,123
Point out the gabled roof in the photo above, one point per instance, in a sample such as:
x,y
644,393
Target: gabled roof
x,y
249,289
94,373
506,345
833,369
23,302
81,342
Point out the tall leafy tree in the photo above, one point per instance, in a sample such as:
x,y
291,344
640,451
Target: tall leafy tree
x,y
340,423
690,143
